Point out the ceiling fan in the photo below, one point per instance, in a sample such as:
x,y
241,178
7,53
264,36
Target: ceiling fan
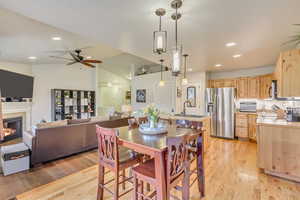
x,y
78,58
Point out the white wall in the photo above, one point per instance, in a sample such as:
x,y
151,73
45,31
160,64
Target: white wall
x,y
110,96
163,97
16,67
198,80
241,73
47,77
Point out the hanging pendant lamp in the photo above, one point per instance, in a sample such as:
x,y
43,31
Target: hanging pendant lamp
x,y
185,80
160,37
177,50
161,82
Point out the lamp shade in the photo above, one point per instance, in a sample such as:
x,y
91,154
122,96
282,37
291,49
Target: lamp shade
x,y
160,42
176,60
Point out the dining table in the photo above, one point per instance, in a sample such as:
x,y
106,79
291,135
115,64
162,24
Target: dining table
x,y
155,146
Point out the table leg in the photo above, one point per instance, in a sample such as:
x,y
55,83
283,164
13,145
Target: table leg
x,y
200,167
100,182
160,173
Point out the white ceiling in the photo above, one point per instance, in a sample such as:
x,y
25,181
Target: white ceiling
x,y
258,26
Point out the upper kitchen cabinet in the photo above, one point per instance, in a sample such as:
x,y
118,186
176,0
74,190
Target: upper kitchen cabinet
x,y
287,74
253,87
242,88
221,83
265,86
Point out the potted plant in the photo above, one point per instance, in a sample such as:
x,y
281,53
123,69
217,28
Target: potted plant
x,y
153,114
295,39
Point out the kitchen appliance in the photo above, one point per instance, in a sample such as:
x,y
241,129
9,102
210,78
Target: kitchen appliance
x,y
293,114
220,105
248,106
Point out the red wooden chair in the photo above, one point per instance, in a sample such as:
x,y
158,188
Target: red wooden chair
x,y
114,159
177,170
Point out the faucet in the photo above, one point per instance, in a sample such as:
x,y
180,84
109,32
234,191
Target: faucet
x,y
184,106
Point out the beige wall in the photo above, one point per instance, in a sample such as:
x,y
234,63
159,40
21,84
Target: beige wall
x,y
16,67
113,95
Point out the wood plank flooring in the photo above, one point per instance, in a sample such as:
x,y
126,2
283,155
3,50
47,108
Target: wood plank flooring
x,y
230,169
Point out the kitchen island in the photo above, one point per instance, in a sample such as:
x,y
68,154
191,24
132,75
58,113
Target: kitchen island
x,y
279,148
205,119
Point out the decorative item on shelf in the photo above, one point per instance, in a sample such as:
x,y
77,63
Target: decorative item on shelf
x,y
184,80
1,122
177,50
161,82
160,37
191,96
179,92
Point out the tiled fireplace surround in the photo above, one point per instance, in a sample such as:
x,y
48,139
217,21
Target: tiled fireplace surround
x,y
18,109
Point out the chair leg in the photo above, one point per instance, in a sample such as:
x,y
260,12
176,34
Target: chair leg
x,y
142,189
123,179
116,194
100,182
186,183
136,186
148,187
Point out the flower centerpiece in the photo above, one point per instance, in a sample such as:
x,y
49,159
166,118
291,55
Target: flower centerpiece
x,y
153,115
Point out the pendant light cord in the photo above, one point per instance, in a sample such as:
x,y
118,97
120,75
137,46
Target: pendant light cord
x,y
176,28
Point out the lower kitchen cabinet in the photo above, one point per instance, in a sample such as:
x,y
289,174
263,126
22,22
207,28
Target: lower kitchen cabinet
x,y
245,125
206,133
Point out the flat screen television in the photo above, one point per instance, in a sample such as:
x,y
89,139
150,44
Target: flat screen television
x,y
15,85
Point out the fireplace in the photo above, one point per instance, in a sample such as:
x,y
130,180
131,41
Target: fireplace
x,y
12,128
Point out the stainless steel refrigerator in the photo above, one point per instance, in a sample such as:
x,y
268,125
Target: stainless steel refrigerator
x,y
220,105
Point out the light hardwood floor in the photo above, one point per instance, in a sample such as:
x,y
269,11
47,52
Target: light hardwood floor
x,y
230,170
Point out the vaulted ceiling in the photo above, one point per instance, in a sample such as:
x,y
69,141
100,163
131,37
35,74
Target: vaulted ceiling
x,y
259,27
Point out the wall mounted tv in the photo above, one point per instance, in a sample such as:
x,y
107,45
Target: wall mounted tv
x,y
15,85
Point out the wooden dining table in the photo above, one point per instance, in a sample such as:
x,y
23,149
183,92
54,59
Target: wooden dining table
x,y
156,146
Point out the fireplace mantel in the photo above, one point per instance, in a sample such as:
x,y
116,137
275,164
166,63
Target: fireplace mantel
x,y
18,109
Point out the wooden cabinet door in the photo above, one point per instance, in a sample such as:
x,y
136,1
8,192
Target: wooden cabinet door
x,y
219,83
206,133
210,84
290,83
253,87
252,126
242,88
229,83
265,86
241,125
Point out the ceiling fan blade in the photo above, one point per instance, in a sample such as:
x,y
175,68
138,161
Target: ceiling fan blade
x,y
92,61
61,58
71,63
87,64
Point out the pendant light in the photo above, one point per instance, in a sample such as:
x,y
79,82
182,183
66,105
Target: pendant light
x,y
184,80
161,82
160,37
177,50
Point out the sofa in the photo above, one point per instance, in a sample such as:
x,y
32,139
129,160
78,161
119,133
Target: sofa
x,y
50,143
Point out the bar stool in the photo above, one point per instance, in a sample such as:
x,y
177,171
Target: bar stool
x,y
114,159
177,170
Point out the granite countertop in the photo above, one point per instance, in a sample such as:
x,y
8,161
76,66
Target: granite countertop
x,y
276,122
191,118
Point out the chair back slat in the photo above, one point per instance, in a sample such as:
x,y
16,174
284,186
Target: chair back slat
x,y
177,157
107,146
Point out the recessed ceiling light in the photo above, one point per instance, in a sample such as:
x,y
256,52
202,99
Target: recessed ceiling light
x,y
236,55
218,65
190,69
88,57
32,57
56,38
230,44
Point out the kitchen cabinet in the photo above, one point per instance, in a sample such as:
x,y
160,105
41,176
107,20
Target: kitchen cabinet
x,y
221,83
242,87
241,125
287,74
279,150
265,86
245,126
253,87
252,126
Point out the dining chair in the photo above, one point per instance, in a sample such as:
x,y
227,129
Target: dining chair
x,y
142,120
195,149
114,158
177,166
133,123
